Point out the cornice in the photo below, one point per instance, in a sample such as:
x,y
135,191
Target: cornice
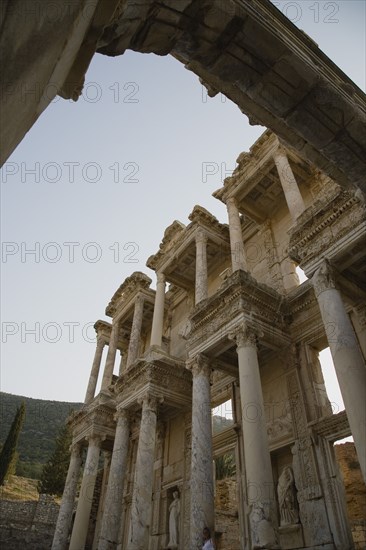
x,y
203,217
325,227
240,284
136,281
172,234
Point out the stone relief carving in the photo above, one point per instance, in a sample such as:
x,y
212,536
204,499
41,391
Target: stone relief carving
x,y
262,532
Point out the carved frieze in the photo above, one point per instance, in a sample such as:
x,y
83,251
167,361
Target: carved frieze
x,y
330,224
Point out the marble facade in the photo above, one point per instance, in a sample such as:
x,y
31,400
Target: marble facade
x,y
229,320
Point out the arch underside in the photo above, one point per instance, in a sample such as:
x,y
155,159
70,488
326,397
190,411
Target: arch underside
x,y
246,50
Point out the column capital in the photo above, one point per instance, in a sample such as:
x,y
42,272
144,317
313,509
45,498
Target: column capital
x,y
139,300
201,237
95,439
123,414
246,335
324,278
75,449
231,201
200,364
150,402
279,151
160,277
100,341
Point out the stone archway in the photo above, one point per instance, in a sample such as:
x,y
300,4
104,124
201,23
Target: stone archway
x,y
246,50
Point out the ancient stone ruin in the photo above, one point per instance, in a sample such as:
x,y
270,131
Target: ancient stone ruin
x,y
233,325
230,323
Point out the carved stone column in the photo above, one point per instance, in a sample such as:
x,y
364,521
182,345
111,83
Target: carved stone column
x,y
123,359
93,379
202,490
158,317
347,356
133,348
81,523
138,538
238,259
68,499
290,188
201,267
111,357
260,488
113,501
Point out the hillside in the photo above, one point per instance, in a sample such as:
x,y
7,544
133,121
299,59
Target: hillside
x,y
42,422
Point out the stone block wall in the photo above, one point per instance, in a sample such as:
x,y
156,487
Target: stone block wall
x,y
355,491
28,524
226,515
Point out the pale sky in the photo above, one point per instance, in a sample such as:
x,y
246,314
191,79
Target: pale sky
x,y
88,193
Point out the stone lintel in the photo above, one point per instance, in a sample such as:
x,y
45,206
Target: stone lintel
x,y
332,427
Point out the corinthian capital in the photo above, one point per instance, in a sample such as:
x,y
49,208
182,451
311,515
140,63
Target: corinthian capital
x,y
150,402
246,336
200,364
324,278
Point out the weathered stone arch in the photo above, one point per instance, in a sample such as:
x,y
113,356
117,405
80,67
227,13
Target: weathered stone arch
x,y
246,49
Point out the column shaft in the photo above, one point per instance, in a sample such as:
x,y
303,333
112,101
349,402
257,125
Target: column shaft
x,y
133,347
202,489
290,188
201,267
68,499
238,260
158,317
93,379
347,356
113,502
138,538
111,357
81,523
260,488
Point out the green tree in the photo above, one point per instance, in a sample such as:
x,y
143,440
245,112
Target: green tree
x,y
8,452
54,472
225,466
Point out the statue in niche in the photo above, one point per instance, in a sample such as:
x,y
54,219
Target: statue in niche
x,y
286,491
174,513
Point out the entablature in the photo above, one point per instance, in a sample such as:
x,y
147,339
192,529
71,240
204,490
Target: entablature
x,y
161,376
136,282
96,420
240,299
177,259
333,227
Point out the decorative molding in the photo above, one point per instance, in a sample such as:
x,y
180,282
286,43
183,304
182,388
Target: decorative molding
x,y
133,283
311,237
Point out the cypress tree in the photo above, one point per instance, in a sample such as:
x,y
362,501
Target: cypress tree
x,y
54,472
8,452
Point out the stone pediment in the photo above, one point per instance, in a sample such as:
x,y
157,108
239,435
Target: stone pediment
x,y
133,283
172,235
203,217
